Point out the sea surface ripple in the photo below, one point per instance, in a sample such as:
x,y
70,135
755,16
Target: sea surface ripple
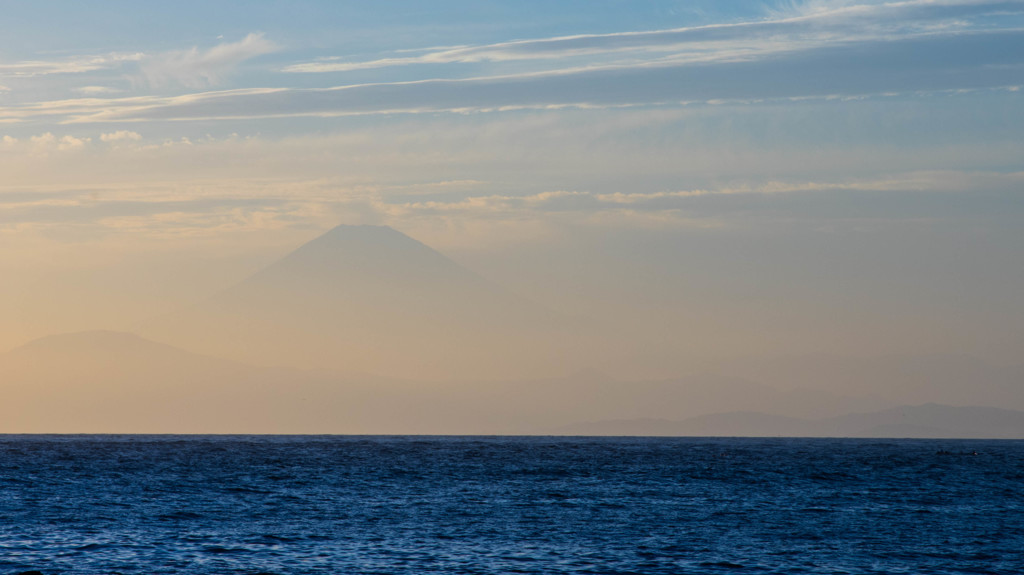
x,y
481,505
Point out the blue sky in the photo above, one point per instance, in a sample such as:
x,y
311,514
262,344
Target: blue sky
x,y
510,131
253,61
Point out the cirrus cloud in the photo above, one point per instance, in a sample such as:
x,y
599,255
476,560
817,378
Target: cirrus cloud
x,y
197,68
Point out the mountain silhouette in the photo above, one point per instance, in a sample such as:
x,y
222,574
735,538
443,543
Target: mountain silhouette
x,y
371,299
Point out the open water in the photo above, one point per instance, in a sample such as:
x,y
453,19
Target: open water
x,y
296,505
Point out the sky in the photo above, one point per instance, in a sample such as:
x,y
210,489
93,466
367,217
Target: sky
x,y
729,179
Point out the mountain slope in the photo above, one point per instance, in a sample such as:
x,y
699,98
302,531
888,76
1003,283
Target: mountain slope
x,y
369,298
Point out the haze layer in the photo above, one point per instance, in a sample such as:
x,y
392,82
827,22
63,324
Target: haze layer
x,y
817,196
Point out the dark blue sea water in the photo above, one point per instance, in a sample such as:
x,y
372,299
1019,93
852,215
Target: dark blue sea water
x,y
295,505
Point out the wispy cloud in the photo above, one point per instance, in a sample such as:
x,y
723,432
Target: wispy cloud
x,y
931,63
206,206
911,47
818,51
197,68
194,68
77,109
95,90
813,24
73,65
837,199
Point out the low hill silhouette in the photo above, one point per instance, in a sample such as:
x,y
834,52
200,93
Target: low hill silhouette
x,y
102,381
114,382
918,421
110,382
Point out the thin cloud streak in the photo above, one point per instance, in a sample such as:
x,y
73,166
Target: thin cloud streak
x,y
192,68
856,23
75,65
191,207
95,90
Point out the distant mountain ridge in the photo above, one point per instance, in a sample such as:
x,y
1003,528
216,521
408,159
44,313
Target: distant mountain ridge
x,y
920,421
111,352
110,382
901,379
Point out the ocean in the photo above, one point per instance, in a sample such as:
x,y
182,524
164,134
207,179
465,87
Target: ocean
x,y
489,505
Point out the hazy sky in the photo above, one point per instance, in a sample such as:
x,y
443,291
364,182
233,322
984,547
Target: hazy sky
x,y
748,178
